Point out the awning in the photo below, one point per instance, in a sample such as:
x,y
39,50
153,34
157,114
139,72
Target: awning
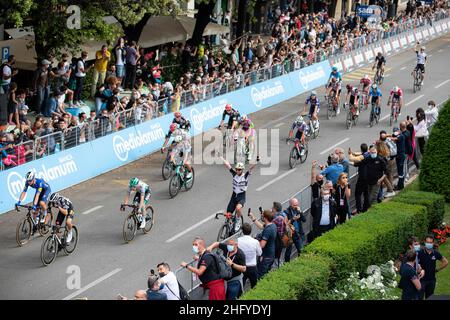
x,y
165,29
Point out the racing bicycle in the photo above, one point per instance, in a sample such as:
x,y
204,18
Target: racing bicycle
x,y
379,76
27,226
298,153
241,147
55,243
131,222
313,127
417,82
394,113
374,114
179,179
352,116
168,167
331,104
363,101
228,228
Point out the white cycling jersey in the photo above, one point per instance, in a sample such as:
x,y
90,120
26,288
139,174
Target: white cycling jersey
x,y
141,187
421,56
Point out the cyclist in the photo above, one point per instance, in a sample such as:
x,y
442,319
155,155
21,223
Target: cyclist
x,y
181,121
182,150
376,95
365,83
352,98
301,128
65,208
233,117
336,75
174,130
249,131
380,62
240,184
314,106
335,86
396,95
421,60
43,190
141,198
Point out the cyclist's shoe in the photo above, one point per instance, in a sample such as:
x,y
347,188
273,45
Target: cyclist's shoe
x,y
43,218
338,110
237,224
302,152
142,224
69,237
421,83
189,175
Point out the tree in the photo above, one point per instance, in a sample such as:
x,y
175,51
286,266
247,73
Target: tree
x,y
242,17
14,11
205,9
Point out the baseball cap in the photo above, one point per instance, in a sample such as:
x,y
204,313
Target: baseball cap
x,y
45,62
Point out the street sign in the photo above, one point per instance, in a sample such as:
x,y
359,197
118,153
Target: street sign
x,y
367,11
5,54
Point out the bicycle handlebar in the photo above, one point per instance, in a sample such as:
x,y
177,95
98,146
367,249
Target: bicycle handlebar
x,y
22,206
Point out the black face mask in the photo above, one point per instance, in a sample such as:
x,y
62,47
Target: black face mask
x,y
320,183
161,274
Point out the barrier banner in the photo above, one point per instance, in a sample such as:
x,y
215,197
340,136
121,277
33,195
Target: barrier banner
x,y
378,48
403,41
70,167
395,44
338,64
444,26
438,28
348,62
418,34
411,38
368,54
358,58
426,33
387,47
448,23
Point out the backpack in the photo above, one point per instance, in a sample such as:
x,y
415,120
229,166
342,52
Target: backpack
x,y
286,238
223,269
392,147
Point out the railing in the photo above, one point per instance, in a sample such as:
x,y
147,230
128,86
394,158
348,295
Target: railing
x,y
120,120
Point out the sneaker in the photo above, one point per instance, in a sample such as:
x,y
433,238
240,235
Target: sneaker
x,y
69,237
389,194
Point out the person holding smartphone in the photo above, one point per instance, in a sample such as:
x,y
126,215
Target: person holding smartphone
x,y
295,217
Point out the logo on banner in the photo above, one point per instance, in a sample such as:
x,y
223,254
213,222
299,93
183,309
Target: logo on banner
x,y
258,96
66,166
122,146
207,113
307,77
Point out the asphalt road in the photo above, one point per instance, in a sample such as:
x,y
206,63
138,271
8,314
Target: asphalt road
x,y
108,266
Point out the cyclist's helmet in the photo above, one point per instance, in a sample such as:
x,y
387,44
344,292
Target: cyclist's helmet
x,y
228,107
173,126
334,69
134,182
244,117
54,197
314,93
299,120
178,139
246,125
422,48
374,86
30,176
240,165
396,89
177,114
366,77
380,53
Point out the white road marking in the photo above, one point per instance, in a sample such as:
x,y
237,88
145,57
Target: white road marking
x,y
267,125
276,179
414,100
92,209
440,50
90,285
279,125
440,85
402,68
385,117
190,228
387,75
335,145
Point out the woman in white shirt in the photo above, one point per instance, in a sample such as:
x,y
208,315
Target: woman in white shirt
x,y
421,129
432,113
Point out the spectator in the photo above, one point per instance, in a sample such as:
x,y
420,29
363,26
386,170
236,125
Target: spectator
x,y
342,159
41,85
80,74
154,288
384,154
206,270
280,220
316,181
409,281
267,241
431,113
169,280
427,260
120,53
236,260
361,188
131,59
414,244
13,106
23,108
7,71
295,217
138,295
323,212
333,171
421,130
400,141
252,250
390,166
412,155
342,197
102,58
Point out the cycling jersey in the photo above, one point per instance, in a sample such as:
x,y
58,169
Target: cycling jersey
x,y
336,75
41,186
141,187
182,123
301,128
366,82
375,94
421,57
396,95
179,132
380,61
64,203
313,103
234,115
240,183
352,99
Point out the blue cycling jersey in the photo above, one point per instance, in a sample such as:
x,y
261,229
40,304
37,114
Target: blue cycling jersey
x,y
375,93
313,102
40,185
336,75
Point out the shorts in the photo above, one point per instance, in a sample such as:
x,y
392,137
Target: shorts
x,y
60,218
298,135
120,71
44,195
420,67
235,200
311,110
137,197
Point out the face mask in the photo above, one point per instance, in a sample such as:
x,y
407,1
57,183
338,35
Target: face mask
x,y
230,248
417,248
195,249
373,155
320,183
429,246
161,274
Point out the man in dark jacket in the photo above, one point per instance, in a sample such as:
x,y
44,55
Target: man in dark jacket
x,y
323,211
296,217
401,138
361,185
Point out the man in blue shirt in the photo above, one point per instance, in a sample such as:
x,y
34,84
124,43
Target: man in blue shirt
x,y
409,281
43,191
333,171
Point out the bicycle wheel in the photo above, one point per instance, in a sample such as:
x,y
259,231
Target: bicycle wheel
x,y
70,247
316,131
349,120
371,118
149,219
223,232
293,156
190,183
130,228
174,185
23,231
44,228
305,154
49,250
167,169
329,109
355,120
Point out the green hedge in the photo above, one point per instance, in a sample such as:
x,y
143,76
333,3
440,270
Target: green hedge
x,y
301,279
371,238
434,203
435,167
